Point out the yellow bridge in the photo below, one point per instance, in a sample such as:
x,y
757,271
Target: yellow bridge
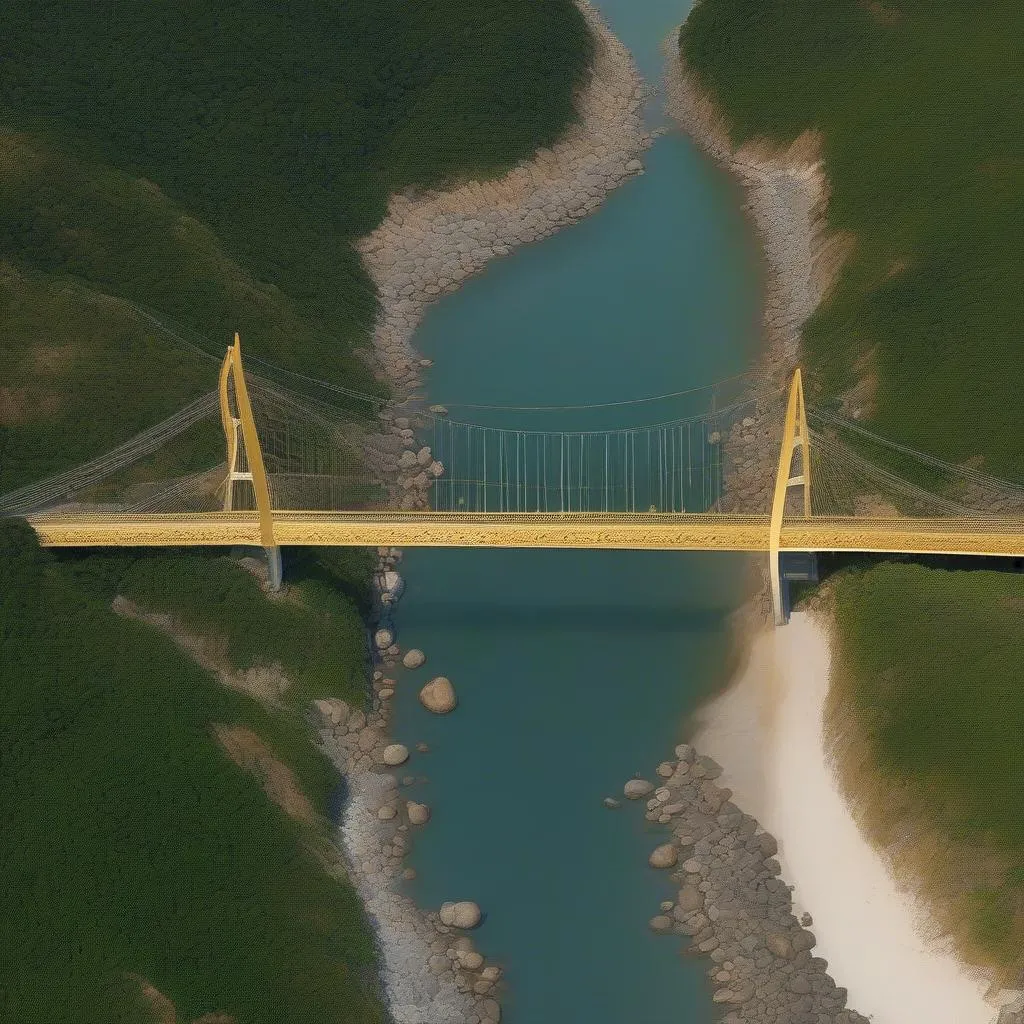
x,y
970,514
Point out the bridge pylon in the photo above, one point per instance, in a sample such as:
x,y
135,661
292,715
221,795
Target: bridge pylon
x,y
241,437
794,435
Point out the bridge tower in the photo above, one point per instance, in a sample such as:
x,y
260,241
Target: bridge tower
x,y
242,438
795,436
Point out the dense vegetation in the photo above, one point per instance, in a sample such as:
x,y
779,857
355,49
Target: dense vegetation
x,y
215,164
920,104
133,848
920,110
930,663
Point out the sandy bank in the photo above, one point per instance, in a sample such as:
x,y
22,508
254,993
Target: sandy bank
x,y
767,732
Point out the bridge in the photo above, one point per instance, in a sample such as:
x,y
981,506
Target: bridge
x,y
762,471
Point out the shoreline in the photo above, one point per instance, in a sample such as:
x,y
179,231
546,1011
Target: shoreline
x,y
424,248
768,732
756,727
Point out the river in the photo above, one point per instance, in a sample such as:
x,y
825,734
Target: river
x,y
577,669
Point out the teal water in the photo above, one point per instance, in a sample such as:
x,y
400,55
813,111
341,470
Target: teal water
x,y
577,669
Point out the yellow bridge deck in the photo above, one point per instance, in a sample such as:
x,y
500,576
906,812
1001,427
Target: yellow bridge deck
x,y
651,531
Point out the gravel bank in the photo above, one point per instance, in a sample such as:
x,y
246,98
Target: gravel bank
x,y
426,246
732,904
786,193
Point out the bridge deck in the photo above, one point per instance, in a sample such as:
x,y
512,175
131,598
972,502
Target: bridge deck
x,y
650,531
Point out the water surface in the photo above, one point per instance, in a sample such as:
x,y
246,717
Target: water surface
x,y
576,669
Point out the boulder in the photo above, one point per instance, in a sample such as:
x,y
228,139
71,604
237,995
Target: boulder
x,y
666,769
383,639
689,898
413,658
335,710
423,456
395,754
685,753
610,802
780,946
470,959
661,923
464,914
407,460
392,583
439,696
637,788
799,985
419,814
664,856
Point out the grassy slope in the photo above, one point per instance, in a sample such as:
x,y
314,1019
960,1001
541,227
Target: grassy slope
x,y
921,108
215,163
132,844
921,105
931,666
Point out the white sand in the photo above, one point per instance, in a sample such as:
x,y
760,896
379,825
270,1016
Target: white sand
x,y
766,731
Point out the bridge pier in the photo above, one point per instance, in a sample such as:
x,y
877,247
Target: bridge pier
x,y
275,569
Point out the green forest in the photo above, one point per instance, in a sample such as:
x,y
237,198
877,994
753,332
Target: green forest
x,y
920,104
172,173
920,109
213,166
133,847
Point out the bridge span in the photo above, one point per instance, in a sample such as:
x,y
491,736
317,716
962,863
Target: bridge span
x,y
292,474
625,531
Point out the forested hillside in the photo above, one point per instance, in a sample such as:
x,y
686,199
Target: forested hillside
x,y
135,852
214,165
920,109
920,105
171,173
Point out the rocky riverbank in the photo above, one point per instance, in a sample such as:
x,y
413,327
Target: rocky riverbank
x,y
731,903
431,972
429,243
426,246
786,193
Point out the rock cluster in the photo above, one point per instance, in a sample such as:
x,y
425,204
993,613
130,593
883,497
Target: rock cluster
x,y
733,907
430,974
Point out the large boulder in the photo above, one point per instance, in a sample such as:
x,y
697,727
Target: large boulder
x,y
395,754
464,914
413,658
690,899
419,814
439,696
383,639
470,959
637,788
664,856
